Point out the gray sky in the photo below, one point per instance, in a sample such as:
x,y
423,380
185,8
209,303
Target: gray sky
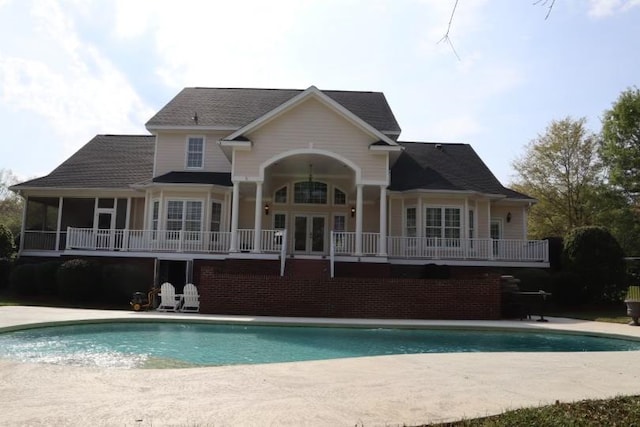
x,y
73,69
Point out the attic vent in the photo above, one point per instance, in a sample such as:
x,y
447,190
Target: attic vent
x,y
439,146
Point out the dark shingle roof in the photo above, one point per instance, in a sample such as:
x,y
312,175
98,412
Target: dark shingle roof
x,y
107,161
234,108
187,177
436,166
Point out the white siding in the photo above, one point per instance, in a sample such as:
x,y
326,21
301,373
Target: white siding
x,y
171,152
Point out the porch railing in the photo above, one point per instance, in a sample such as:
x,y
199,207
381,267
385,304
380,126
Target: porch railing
x,y
43,240
171,240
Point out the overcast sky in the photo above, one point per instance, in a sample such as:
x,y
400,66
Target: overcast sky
x,y
72,69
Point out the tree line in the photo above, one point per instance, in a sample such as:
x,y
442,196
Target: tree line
x,y
585,178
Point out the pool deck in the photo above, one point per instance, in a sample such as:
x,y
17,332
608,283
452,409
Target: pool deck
x,y
367,391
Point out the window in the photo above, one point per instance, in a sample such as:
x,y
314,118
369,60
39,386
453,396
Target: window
x,y
312,192
184,216
195,152
281,195
216,216
154,217
279,221
339,197
410,222
443,223
472,233
339,223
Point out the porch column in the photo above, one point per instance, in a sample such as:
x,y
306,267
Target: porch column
x,y
59,224
24,222
257,228
234,217
358,220
382,244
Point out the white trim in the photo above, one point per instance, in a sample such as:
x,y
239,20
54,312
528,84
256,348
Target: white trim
x,y
386,148
318,94
357,170
237,145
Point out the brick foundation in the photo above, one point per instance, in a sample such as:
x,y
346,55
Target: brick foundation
x,y
474,295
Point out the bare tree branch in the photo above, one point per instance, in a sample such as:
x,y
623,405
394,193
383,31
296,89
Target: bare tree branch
x,y
544,3
446,37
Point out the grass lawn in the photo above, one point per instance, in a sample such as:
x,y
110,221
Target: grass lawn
x,y
619,411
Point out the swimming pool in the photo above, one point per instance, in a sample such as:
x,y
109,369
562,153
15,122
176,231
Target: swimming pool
x,y
171,345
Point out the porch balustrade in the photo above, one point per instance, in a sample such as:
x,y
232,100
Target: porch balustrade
x,y
274,241
170,240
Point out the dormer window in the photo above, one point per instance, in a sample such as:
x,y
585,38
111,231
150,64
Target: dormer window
x,y
195,152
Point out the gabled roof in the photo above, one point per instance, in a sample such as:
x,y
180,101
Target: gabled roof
x,y
445,167
107,161
233,108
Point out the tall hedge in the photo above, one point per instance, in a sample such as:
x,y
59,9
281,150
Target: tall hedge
x,y
78,280
7,245
595,256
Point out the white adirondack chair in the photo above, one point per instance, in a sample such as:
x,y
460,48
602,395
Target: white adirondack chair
x,y
191,299
168,300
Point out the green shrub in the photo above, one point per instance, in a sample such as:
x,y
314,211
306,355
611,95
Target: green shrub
x,y
78,280
45,277
120,281
596,257
7,247
5,272
22,280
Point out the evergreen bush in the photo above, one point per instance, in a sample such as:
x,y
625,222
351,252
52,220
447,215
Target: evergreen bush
x,y
7,246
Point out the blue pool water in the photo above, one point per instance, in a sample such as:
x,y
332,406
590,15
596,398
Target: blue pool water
x,y
164,345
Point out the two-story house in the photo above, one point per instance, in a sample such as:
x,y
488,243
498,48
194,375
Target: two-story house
x,y
276,176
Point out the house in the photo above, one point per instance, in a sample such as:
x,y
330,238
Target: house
x,y
287,181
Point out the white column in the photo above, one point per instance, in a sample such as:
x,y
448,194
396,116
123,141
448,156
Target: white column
x,y
24,222
59,224
382,245
257,228
235,202
358,220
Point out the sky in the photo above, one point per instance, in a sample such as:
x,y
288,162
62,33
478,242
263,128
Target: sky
x,y
72,69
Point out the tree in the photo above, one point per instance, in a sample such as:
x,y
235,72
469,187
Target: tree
x,y
10,203
620,148
561,169
596,257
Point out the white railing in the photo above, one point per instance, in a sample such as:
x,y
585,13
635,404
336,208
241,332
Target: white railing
x,y
471,249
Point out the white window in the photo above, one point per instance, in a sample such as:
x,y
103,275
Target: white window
x,y
443,223
280,195
154,217
410,222
280,221
339,223
339,197
216,216
313,192
195,152
184,215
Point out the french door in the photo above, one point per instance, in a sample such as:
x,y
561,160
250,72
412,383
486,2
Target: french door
x,y
309,234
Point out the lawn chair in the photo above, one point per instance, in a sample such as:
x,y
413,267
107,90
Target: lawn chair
x,y
168,301
191,299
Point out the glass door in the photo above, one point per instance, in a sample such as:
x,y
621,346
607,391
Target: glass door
x,y
104,236
309,234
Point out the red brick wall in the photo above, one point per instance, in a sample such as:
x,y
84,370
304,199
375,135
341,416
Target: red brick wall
x,y
223,292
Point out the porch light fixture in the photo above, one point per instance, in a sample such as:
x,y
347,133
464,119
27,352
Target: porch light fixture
x,y
266,208
353,211
508,216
